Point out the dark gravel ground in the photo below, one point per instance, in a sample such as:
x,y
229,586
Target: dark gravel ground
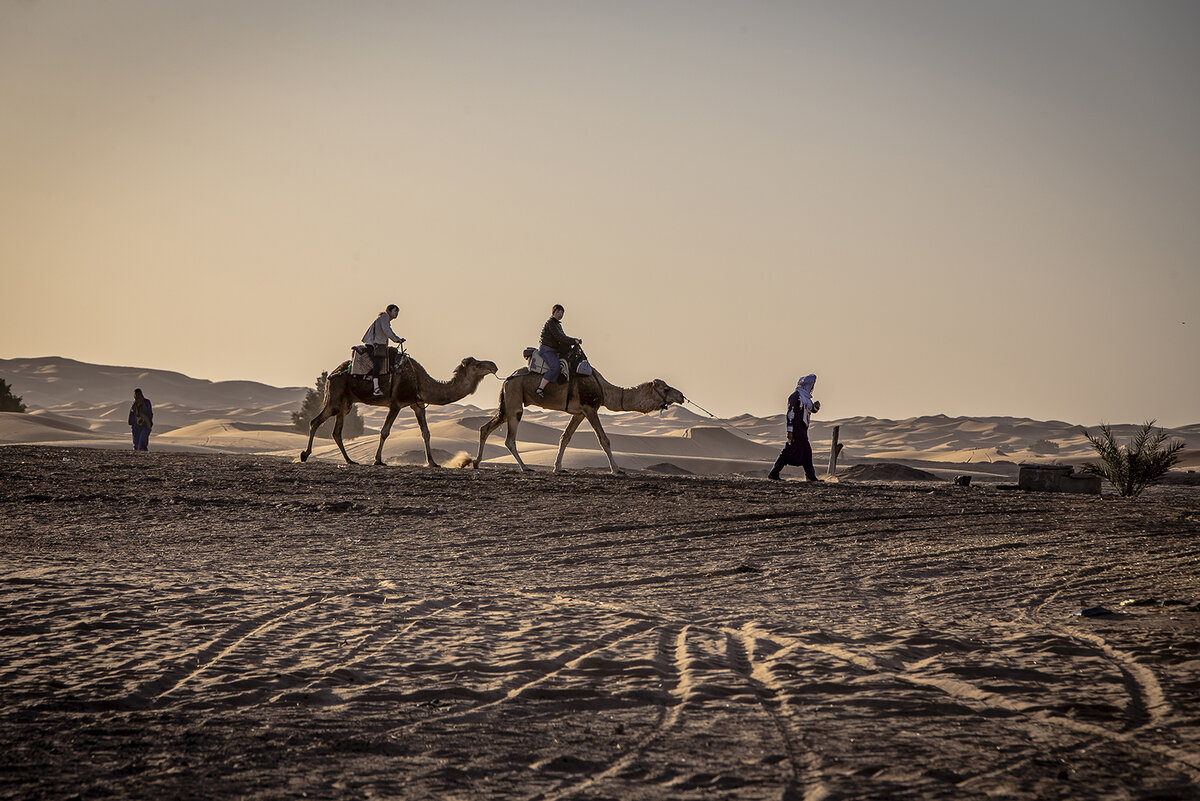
x,y
179,625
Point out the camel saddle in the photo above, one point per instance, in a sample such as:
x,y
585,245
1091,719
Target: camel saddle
x,y
540,366
574,362
361,362
536,363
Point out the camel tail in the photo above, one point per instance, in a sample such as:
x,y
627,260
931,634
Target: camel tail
x,y
341,369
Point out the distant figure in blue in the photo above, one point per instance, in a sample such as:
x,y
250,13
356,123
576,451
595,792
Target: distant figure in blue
x,y
141,420
798,451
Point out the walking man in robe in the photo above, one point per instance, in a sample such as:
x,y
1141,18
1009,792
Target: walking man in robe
x,y
798,451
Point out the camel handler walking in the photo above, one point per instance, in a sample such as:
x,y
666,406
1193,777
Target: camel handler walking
x,y
554,347
798,451
377,338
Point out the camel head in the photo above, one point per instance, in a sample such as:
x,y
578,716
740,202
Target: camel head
x,y
668,393
475,368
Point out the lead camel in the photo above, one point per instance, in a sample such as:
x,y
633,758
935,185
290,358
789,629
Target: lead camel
x,y
581,398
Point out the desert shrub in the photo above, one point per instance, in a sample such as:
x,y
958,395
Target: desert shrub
x,y
314,399
8,401
1045,447
1143,461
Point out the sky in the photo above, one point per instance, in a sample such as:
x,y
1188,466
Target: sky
x,y
938,206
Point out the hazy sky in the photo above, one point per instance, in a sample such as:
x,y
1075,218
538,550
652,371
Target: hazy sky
x,y
987,208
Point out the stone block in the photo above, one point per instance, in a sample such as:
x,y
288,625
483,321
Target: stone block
x,y
1057,478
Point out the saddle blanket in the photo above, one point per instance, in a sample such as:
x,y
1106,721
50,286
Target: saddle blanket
x,y
361,362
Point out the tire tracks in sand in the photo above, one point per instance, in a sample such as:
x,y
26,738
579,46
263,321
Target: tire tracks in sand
x,y
674,651
218,648
1026,714
561,662
807,767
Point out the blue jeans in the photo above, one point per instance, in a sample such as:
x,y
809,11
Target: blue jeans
x,y
551,356
141,438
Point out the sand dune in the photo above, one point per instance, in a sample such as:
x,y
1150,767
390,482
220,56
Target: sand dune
x,y
73,402
886,471
54,381
236,437
32,428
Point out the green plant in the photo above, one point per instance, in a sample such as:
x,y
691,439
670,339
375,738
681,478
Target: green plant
x,y
8,401
314,400
1139,464
1045,447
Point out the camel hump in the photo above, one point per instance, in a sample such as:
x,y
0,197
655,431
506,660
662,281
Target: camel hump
x,y
590,391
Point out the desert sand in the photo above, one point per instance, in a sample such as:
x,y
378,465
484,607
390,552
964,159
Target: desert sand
x,y
77,404
201,625
214,619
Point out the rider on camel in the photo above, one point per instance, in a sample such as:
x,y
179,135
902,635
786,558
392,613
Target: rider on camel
x,y
376,339
554,347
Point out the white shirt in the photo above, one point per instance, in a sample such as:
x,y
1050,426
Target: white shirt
x,y
380,331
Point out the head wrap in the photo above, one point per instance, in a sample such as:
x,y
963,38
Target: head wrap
x,y
804,388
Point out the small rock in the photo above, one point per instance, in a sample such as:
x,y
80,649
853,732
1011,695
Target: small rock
x,y
1095,611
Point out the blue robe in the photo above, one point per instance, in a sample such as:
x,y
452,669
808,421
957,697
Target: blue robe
x,y
141,433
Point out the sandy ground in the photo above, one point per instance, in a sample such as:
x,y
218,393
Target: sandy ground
x,y
78,405
193,625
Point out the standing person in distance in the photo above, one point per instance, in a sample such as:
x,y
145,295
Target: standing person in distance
x,y
377,338
798,451
141,420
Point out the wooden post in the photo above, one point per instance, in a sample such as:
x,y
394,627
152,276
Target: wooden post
x,y
835,448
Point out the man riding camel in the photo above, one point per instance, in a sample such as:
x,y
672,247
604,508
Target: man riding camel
x,y
554,347
377,338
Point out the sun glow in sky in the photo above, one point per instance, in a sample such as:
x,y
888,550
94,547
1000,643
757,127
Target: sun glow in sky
x,y
983,208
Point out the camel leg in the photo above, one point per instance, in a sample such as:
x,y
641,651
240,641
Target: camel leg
x,y
485,431
393,410
594,418
321,417
419,411
510,438
564,439
324,415
337,435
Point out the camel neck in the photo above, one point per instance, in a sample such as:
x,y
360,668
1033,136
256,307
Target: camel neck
x,y
443,392
439,393
628,399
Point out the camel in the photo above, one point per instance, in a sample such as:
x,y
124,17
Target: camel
x,y
410,386
586,395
